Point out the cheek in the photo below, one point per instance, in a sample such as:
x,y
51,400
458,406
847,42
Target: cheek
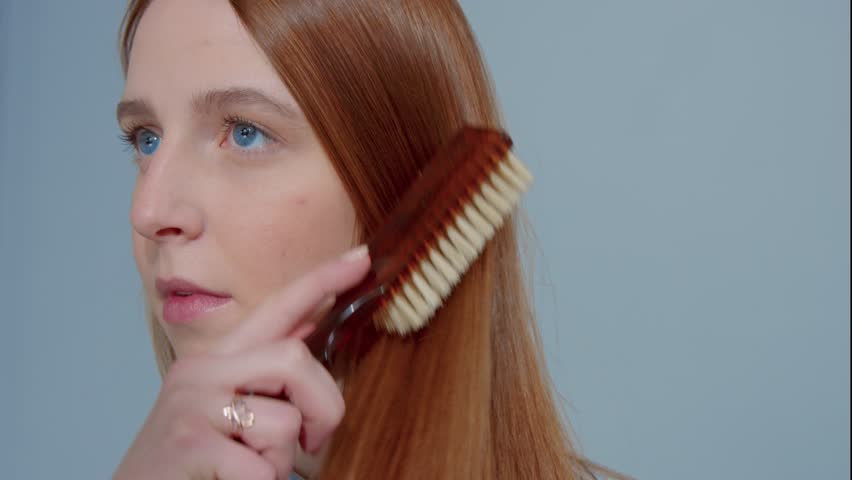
x,y
287,237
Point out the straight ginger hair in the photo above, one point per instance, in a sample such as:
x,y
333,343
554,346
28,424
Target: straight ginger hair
x,y
385,83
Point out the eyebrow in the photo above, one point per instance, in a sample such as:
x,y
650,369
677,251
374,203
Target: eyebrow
x,y
220,99
133,108
231,97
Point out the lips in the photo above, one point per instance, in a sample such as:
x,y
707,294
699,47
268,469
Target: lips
x,y
174,286
184,301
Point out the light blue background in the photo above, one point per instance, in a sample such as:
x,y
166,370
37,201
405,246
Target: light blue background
x,y
692,213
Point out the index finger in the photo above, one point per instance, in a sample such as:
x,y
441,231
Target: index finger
x,y
283,312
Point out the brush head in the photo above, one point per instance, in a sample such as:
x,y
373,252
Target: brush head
x,y
460,201
437,230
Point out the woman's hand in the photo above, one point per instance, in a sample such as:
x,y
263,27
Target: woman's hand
x,y
186,435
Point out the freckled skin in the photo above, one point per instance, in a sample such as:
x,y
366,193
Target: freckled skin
x,y
202,209
244,225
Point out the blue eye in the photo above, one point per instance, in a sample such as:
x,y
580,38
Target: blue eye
x,y
248,136
147,142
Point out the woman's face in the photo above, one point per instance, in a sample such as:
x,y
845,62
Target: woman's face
x,y
234,192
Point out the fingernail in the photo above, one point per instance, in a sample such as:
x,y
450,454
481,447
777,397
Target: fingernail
x,y
356,254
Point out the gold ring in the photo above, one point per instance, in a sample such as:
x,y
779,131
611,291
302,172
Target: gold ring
x,y
238,414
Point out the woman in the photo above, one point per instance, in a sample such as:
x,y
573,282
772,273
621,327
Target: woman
x,y
272,136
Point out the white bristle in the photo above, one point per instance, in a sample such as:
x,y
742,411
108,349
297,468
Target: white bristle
x,y
478,221
417,299
519,168
511,176
475,238
501,204
443,266
488,210
463,246
456,259
426,291
504,188
434,278
407,312
391,318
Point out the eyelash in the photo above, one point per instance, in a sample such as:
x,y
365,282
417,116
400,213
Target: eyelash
x,y
131,132
233,120
128,136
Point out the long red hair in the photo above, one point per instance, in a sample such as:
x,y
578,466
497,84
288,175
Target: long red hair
x,y
384,83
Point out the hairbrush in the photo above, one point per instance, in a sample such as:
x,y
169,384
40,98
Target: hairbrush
x,y
437,230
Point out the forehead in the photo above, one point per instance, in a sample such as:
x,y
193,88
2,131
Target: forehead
x,y
182,47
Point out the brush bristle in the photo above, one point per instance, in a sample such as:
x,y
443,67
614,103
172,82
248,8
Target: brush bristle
x,y
424,287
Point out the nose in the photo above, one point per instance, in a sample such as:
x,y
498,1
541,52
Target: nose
x,y
164,207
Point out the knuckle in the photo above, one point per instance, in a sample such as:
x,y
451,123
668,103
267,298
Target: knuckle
x,y
331,418
338,411
288,425
296,352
